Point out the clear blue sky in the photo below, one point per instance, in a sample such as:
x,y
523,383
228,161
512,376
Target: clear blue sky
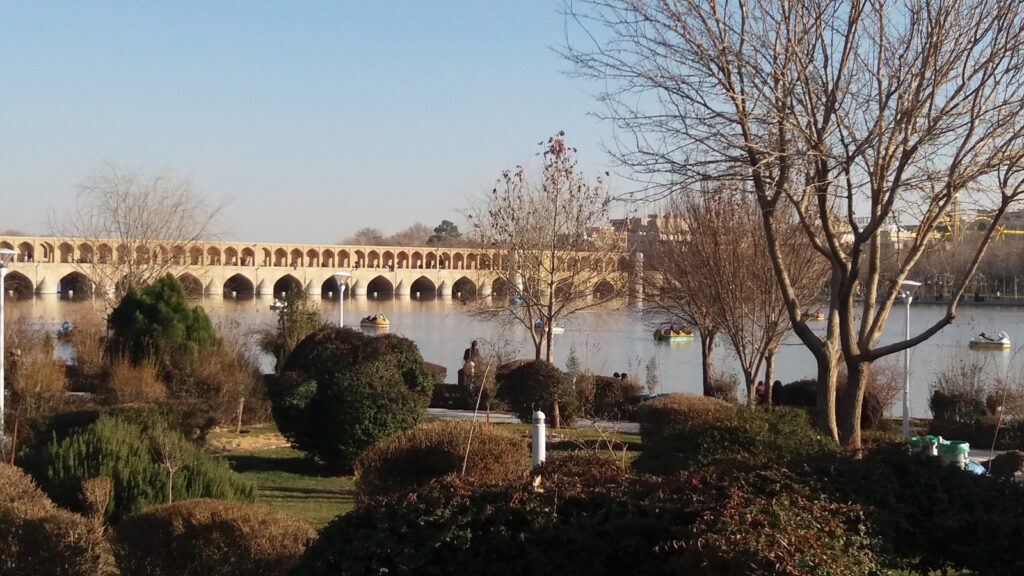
x,y
313,118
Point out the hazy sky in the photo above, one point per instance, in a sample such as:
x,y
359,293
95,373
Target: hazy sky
x,y
313,119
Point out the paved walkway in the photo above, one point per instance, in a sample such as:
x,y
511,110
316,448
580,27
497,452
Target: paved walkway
x,y
507,418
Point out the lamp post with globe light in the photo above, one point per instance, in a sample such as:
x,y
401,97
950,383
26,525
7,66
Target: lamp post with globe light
x,y
6,256
341,277
907,290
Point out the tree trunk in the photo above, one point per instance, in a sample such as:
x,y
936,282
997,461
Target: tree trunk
x,y
556,416
769,375
170,487
241,409
825,402
852,401
707,343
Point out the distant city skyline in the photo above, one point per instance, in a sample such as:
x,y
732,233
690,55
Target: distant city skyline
x,y
312,121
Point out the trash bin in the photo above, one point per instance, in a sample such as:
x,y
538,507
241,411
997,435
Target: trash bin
x,y
954,452
931,445
916,444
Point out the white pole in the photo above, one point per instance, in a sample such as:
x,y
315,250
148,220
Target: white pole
x,y
3,358
907,298
539,439
341,305
341,277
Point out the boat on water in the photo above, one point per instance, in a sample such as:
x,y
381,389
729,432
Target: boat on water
x,y
375,321
673,335
558,329
985,342
64,332
278,304
818,314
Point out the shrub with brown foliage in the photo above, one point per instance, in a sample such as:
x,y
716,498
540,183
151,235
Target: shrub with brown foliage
x,y
38,386
135,384
409,459
209,537
39,539
667,415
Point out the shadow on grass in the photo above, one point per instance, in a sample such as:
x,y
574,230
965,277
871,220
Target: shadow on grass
x,y
290,464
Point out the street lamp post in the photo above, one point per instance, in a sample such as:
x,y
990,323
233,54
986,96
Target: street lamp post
x,y
341,277
907,289
6,255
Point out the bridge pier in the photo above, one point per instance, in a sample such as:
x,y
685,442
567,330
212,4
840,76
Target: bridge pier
x,y
444,290
312,288
214,288
358,288
401,289
264,289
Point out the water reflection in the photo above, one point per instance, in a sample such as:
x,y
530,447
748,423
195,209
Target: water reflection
x,y
605,340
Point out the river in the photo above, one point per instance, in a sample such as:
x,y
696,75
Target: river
x,y
611,339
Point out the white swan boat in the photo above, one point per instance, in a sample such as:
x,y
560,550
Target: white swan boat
x,y
985,342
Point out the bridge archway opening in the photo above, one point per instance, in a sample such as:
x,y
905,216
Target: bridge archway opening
x,y
499,288
193,286
106,253
423,289
17,286
464,289
67,253
380,288
287,284
403,259
239,287
231,256
604,290
329,290
75,286
248,257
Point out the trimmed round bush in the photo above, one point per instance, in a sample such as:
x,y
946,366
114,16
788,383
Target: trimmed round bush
x,y
210,537
615,399
342,390
536,385
665,415
133,456
407,460
39,539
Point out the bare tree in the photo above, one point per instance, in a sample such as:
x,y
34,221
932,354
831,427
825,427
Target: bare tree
x,y
548,250
366,236
154,220
415,235
859,114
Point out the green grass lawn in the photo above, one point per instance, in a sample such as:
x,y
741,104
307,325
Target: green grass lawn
x,y
295,485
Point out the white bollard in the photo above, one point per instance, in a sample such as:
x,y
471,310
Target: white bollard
x,y
539,439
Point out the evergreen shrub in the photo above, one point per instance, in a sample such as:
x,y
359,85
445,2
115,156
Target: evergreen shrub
x,y
536,385
342,390
614,398
665,415
209,537
130,455
410,459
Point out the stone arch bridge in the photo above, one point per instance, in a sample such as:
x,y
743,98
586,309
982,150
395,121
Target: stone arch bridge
x,y
75,268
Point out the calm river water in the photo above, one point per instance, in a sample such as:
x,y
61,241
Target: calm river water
x,y
610,340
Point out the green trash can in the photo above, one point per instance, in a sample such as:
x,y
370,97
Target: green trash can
x,y
916,444
931,445
955,452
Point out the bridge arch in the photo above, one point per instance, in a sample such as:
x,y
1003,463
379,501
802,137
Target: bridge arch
x,y
280,257
430,260
459,261
213,255
445,261
344,259
604,290
360,259
248,257
231,256
286,284
329,289
388,259
464,289
239,286
563,290
66,252
328,258
499,288
105,254
423,288
75,286
18,286
403,260
380,288
193,286
24,251
312,258
296,258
